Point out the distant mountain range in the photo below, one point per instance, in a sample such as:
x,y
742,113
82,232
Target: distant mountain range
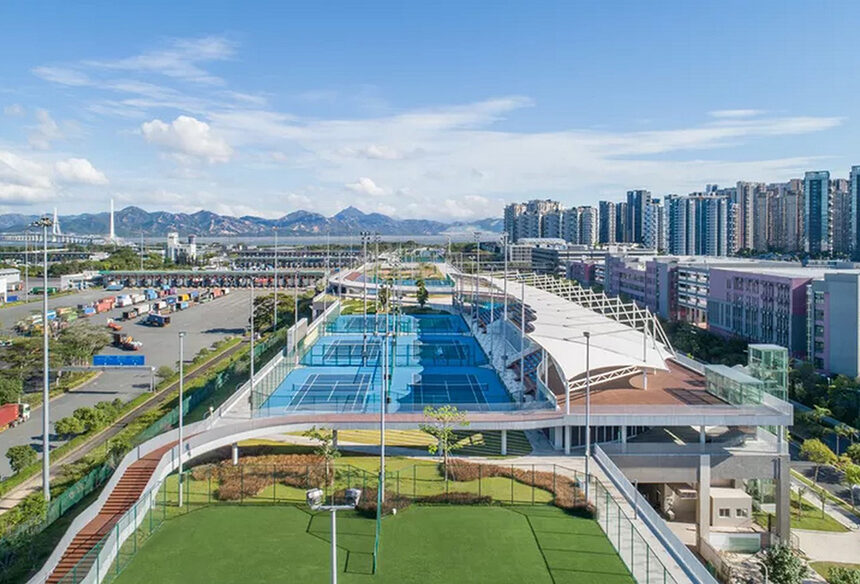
x,y
134,221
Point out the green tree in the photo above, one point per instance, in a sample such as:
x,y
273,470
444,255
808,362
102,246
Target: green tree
x,y
10,389
69,426
821,494
851,477
784,566
853,452
422,295
91,418
327,449
382,297
841,575
817,452
164,372
80,341
441,424
21,456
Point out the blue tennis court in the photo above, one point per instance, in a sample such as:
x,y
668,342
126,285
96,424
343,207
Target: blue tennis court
x,y
436,363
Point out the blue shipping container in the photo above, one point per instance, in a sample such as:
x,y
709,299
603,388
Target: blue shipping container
x,y
118,360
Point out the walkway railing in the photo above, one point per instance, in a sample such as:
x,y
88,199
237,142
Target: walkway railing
x,y
682,555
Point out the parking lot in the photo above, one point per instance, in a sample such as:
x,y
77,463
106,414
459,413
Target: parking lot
x,y
204,324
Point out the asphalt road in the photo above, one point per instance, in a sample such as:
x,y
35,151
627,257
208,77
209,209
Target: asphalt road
x,y
203,324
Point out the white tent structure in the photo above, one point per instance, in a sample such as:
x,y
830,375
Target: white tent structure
x,y
624,338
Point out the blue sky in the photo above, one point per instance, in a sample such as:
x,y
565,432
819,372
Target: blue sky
x,y
440,110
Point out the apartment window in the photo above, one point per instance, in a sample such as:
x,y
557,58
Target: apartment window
x,y
725,512
741,513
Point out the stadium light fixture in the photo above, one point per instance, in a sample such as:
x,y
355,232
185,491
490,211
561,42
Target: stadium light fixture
x,y
315,498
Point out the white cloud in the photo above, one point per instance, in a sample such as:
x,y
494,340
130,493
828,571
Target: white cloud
x,y
366,186
79,171
62,76
179,60
45,132
23,181
736,113
26,180
15,110
187,136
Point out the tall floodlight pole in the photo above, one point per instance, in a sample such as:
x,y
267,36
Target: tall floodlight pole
x,y
275,308
383,395
505,294
376,279
364,236
522,340
251,309
27,267
477,270
492,314
296,313
44,223
181,408
587,336
327,268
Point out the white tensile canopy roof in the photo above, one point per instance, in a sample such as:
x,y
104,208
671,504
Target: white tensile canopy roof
x,y
559,326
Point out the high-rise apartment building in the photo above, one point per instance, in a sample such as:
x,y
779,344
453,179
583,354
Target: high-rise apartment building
x,y
637,203
606,218
854,189
743,214
655,226
698,224
841,217
536,218
787,221
551,224
621,222
512,214
589,225
818,206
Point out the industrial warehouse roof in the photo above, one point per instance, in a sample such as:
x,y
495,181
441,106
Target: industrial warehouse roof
x,y
559,328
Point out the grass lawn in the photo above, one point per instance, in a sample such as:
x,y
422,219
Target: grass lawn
x,y
469,443
823,568
404,476
811,518
426,545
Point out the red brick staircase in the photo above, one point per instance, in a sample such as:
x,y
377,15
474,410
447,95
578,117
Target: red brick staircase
x,y
124,495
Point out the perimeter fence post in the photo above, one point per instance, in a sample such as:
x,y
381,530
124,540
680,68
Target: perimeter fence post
x,y
242,484
512,484
480,479
414,482
274,486
209,487
554,484
533,484
134,530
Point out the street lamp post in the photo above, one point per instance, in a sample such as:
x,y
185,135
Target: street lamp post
x,y
522,340
477,271
275,308
315,498
44,223
251,310
505,294
181,408
587,336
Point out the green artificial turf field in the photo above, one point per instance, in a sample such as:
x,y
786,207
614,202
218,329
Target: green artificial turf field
x,y
442,544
